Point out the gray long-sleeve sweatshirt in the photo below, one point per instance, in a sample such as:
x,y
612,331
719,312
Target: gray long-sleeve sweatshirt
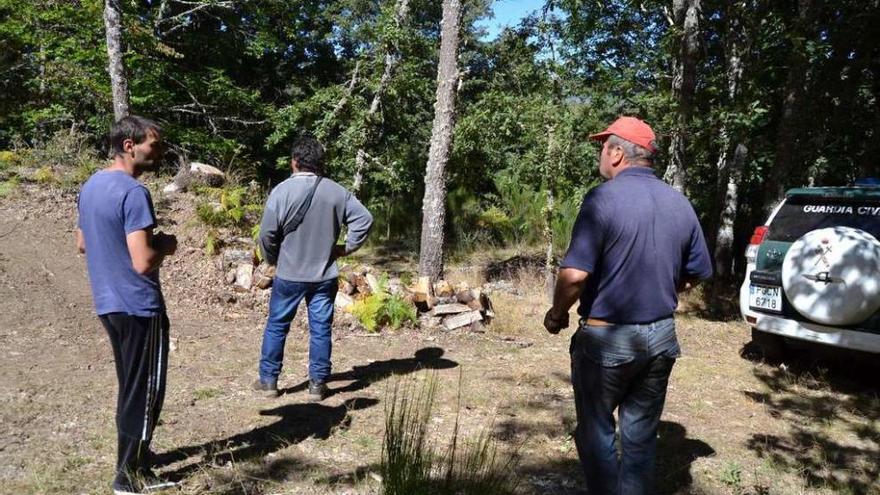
x,y
306,254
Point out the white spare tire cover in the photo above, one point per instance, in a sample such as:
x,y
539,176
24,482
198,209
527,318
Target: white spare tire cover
x,y
832,275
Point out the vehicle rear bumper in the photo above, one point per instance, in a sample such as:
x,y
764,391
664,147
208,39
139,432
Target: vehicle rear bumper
x,y
811,332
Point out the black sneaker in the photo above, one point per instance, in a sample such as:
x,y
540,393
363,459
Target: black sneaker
x,y
266,389
317,391
145,484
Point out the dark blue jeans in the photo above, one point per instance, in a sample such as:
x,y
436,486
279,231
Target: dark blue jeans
x,y
624,367
285,299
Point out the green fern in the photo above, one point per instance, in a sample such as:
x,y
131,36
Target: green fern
x,y
383,309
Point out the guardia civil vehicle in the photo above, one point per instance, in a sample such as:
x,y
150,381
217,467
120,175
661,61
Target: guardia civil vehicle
x,y
813,271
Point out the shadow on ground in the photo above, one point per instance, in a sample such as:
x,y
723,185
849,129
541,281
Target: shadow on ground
x,y
362,377
511,267
295,423
562,475
831,405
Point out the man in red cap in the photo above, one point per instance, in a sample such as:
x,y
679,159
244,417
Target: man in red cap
x,y
635,244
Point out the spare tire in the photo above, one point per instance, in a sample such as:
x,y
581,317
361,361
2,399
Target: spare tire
x,y
832,275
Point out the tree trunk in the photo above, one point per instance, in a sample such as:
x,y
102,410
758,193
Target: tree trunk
x,y
115,66
737,43
789,131
724,240
434,203
684,80
552,159
392,56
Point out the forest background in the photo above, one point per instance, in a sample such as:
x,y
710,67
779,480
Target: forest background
x,y
748,98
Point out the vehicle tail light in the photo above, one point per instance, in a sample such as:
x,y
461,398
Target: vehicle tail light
x,y
756,240
759,234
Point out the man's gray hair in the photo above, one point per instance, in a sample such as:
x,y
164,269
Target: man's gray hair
x,y
632,151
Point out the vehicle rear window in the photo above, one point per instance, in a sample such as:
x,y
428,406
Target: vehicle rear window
x,y
802,214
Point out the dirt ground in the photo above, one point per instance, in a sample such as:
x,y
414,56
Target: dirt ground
x,y
732,423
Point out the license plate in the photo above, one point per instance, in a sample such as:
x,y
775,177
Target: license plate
x,y
766,298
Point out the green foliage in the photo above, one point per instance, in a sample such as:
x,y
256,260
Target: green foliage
x,y
233,82
731,475
7,187
231,206
9,159
410,463
45,175
212,243
383,309
255,235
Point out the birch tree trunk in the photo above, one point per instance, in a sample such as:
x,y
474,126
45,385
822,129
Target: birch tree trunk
x,y
686,14
116,66
434,202
724,241
392,56
737,43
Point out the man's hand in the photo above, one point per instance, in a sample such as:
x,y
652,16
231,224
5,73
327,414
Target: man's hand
x,y
339,251
165,243
555,322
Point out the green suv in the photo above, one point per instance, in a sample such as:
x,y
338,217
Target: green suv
x,y
813,271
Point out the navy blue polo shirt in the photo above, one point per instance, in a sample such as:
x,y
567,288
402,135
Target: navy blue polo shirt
x,y
637,237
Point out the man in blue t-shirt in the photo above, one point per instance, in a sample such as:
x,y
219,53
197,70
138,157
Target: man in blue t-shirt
x,y
123,254
636,243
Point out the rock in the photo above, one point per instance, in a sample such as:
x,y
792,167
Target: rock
x,y
465,296
234,257
461,319
373,282
449,309
346,288
442,288
265,273
343,301
196,174
230,276
244,276
171,188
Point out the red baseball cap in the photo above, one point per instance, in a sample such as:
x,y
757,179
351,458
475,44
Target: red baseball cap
x,y
631,129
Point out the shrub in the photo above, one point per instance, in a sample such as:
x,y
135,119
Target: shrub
x,y
64,150
9,159
383,309
45,175
233,206
7,187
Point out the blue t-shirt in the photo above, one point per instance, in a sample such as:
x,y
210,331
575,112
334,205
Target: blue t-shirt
x,y
637,237
113,204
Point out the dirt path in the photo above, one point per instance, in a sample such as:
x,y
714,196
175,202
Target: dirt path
x,y
731,425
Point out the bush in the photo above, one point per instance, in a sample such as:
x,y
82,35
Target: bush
x,y
9,159
7,187
383,309
64,150
235,206
45,175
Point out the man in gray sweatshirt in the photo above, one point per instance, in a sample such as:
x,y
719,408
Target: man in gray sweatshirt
x,y
301,224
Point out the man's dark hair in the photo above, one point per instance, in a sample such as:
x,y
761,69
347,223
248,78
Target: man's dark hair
x,y
308,153
132,127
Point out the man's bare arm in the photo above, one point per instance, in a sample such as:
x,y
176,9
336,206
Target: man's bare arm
x,y
80,241
148,251
569,284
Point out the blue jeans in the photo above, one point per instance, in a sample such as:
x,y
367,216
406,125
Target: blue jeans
x,y
285,299
624,367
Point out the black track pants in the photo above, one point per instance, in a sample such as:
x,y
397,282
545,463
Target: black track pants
x,y
140,349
